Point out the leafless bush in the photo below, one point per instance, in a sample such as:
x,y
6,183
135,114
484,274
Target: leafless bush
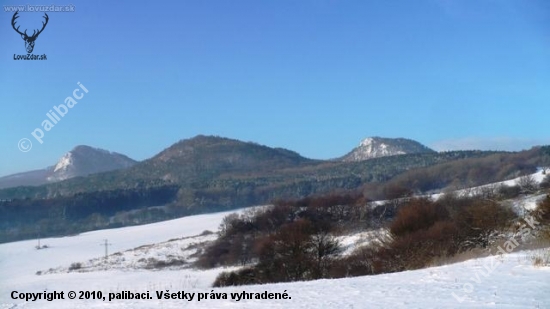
x,y
527,184
75,266
153,263
542,212
417,214
541,258
545,183
508,192
489,192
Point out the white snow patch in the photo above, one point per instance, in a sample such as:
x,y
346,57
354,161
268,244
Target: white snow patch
x,y
349,243
64,162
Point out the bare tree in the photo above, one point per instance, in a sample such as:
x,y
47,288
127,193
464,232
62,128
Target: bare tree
x,y
325,247
228,223
527,183
545,163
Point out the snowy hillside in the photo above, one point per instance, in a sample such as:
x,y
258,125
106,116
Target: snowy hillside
x,y
520,204
509,281
20,261
80,161
375,147
85,160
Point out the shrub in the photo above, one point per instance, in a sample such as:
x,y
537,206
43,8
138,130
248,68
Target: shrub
x,y
477,221
509,192
75,266
153,263
358,263
244,276
419,249
542,213
417,214
286,256
541,258
545,183
543,210
424,231
527,184
396,191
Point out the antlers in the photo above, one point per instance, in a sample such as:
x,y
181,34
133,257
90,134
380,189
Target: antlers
x,y
13,23
43,24
34,33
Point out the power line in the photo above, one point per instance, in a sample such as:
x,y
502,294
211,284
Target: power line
x,y
106,244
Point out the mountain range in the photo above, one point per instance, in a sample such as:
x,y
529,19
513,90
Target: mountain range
x,y
223,172
225,154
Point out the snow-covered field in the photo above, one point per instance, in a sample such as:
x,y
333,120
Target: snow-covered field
x,y
509,281
20,261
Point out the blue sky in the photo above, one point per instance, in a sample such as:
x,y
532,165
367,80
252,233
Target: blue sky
x,y
314,76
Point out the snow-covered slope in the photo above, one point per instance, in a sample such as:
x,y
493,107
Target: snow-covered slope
x,y
86,160
509,281
80,161
520,204
20,262
375,147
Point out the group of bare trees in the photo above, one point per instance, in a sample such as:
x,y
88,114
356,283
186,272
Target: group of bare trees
x,y
293,240
299,250
424,231
299,243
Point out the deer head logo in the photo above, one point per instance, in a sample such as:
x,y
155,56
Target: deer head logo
x,y
29,40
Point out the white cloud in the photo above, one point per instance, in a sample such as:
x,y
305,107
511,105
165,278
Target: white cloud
x,y
488,143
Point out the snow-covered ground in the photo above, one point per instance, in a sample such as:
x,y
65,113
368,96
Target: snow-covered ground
x,y
176,253
20,261
348,243
536,177
529,203
510,281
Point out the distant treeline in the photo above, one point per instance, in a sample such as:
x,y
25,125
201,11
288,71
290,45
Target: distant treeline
x,y
28,218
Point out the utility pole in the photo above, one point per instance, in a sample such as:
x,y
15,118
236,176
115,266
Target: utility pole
x,y
38,238
106,244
